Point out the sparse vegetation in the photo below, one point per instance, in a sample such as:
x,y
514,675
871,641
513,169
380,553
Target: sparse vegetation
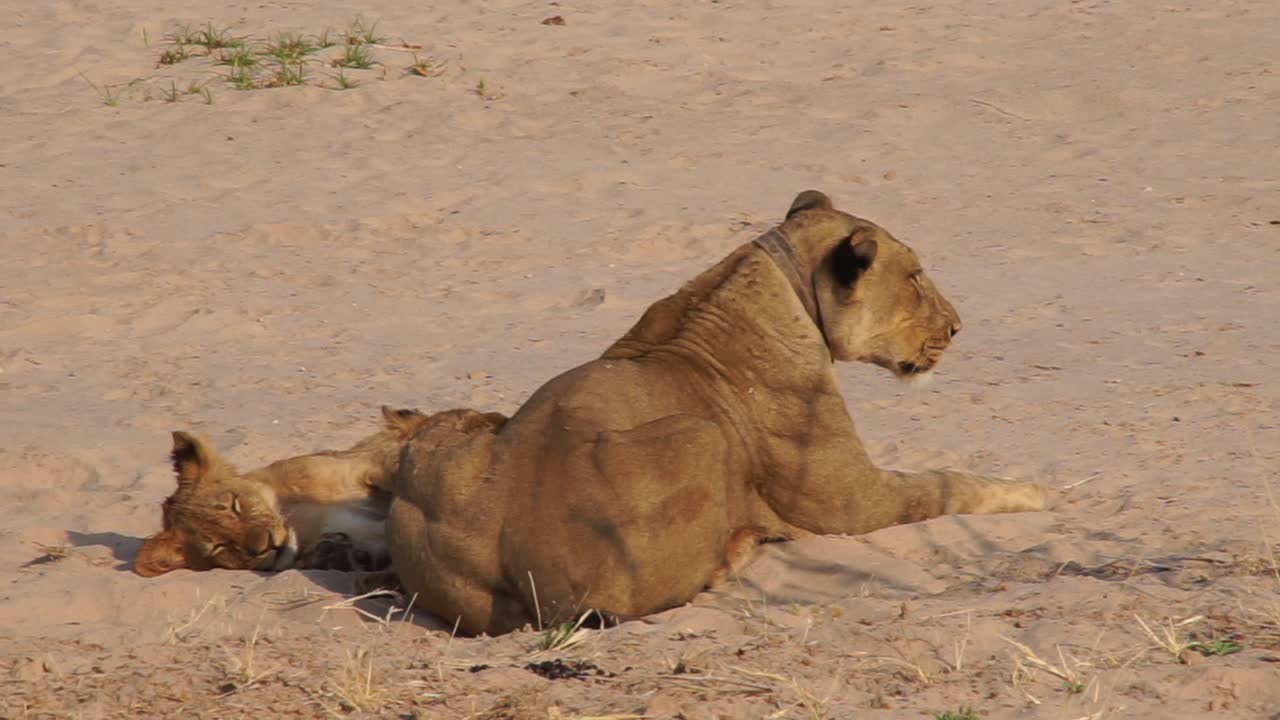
x,y
565,635
51,553
358,33
426,68
1219,646
240,56
356,57
215,39
1168,636
354,688
171,95
343,82
105,92
174,55
246,61
288,74
241,78
289,48
964,713
241,672
324,40
486,92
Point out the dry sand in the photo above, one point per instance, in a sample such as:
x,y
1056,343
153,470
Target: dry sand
x,y
1094,184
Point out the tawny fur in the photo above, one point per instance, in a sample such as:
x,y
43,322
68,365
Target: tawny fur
x,y
629,483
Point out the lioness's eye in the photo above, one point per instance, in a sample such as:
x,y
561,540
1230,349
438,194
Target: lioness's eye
x,y
217,549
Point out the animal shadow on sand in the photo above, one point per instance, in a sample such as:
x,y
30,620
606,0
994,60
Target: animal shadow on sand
x,y
123,547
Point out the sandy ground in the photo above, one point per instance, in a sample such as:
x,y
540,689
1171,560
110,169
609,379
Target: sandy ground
x,y
1094,184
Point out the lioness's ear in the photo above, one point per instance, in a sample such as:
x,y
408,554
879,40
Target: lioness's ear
x,y
191,458
852,256
809,200
159,554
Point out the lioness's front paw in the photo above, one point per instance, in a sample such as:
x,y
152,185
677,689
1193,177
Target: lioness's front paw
x,y
1000,495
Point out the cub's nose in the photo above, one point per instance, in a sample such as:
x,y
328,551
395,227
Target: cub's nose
x,y
257,540
954,330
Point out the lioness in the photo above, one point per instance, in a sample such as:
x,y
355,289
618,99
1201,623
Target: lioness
x,y
626,484
325,510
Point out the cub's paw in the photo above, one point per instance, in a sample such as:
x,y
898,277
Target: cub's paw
x,y
336,551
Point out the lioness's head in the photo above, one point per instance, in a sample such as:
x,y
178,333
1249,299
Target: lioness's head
x,y
874,300
215,519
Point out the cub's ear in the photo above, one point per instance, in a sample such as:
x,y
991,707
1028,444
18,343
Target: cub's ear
x,y
192,458
495,420
852,256
160,553
809,200
403,421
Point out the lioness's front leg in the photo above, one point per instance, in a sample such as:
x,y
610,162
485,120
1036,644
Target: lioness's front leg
x,y
928,494
838,490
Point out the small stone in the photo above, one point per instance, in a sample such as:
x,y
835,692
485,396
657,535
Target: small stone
x,y
28,669
590,299
663,706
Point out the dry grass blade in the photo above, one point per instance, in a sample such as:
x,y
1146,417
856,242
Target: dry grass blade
x,y
354,689
1029,656
56,553
918,670
810,702
1169,639
1068,670
695,681
174,633
565,636
242,672
350,604
426,68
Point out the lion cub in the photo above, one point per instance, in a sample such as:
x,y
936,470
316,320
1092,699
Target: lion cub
x,y
325,510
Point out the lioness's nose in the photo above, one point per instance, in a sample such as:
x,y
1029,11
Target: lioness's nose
x,y
955,327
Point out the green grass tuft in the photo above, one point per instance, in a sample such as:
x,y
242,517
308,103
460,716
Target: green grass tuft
x,y
964,713
290,48
356,57
175,55
1220,646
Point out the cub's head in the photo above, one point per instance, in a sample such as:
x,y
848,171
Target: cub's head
x,y
449,427
876,303
215,519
